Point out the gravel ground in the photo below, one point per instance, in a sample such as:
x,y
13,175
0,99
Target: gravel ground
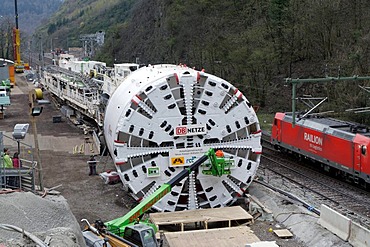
x,y
89,198
290,215
50,216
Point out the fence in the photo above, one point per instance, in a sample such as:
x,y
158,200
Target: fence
x,y
18,178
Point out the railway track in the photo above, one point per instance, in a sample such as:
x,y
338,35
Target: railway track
x,y
315,187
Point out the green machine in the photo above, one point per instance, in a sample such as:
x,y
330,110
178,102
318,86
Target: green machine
x,y
6,83
129,231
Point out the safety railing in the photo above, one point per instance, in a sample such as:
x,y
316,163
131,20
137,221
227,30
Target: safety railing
x,y
19,178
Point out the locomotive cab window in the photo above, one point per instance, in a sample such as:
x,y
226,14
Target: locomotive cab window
x,y
363,149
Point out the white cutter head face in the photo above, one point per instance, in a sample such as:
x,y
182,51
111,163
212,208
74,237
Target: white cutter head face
x,y
163,117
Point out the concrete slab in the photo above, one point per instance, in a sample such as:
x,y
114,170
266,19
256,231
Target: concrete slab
x,y
301,222
48,142
338,224
360,236
263,244
283,233
219,237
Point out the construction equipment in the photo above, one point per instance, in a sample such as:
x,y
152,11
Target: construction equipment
x,y
4,100
19,66
128,230
164,117
6,83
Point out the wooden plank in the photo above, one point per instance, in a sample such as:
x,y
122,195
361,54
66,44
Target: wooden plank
x,y
201,219
206,215
283,233
219,237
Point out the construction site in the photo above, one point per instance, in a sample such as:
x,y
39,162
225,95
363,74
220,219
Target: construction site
x,y
161,155
69,195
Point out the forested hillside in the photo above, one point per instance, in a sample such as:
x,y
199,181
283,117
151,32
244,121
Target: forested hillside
x,y
30,13
78,17
253,44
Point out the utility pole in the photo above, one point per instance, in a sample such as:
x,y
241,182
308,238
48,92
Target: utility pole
x,y
35,97
2,167
41,55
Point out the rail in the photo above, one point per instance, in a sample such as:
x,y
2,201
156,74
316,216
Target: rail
x,y
295,175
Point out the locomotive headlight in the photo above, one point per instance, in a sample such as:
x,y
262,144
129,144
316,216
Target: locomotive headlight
x,y
363,149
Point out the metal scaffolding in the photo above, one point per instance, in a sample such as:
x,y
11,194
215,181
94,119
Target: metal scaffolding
x,y
91,42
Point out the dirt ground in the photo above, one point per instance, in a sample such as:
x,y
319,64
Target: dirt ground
x,y
88,197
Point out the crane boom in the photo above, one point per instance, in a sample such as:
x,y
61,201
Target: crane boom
x,y
119,232
147,203
18,63
218,166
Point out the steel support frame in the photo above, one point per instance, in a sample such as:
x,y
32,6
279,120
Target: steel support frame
x,y
316,80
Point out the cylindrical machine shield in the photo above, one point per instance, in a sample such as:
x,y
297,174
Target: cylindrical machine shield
x,y
163,117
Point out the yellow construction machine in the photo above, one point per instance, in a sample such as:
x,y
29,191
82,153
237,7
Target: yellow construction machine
x,y
19,66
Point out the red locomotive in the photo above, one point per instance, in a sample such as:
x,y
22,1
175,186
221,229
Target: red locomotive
x,y
339,146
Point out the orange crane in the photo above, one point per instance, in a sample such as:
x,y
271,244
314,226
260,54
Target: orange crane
x,y
19,66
